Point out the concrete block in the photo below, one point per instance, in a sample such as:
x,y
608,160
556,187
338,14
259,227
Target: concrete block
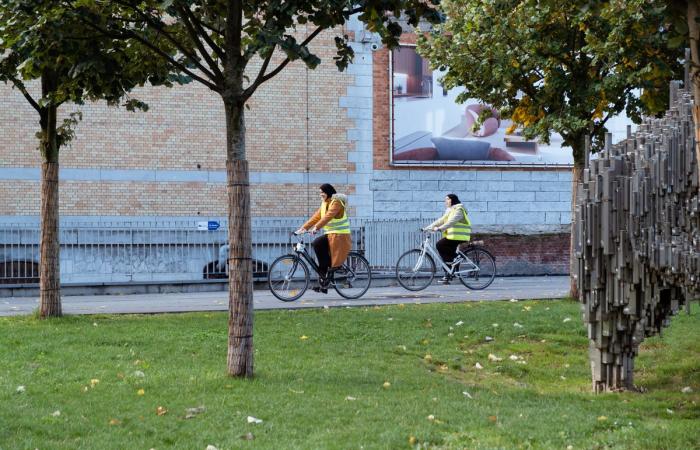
x,y
547,196
507,206
527,186
518,175
429,185
552,217
387,206
462,175
359,91
355,102
382,185
389,196
363,80
488,175
482,218
541,175
425,175
485,196
453,186
518,196
561,186
566,176
475,206
501,185
408,185
520,218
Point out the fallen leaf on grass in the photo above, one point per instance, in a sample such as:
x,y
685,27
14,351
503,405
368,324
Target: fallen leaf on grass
x,y
443,368
566,319
495,325
21,389
140,392
252,419
192,412
248,436
687,390
211,447
478,366
431,417
295,392
139,374
303,338
494,358
412,440
161,411
493,419
527,308
428,358
670,411
56,413
460,323
602,418
517,325
488,339
386,385
350,399
514,357
94,382
115,421
467,394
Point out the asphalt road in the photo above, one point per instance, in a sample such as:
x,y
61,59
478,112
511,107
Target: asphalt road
x,y
518,288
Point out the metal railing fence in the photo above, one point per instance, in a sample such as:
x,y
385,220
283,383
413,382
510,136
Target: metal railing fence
x,y
139,251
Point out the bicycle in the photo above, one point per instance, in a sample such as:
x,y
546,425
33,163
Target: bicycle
x,y
474,266
288,277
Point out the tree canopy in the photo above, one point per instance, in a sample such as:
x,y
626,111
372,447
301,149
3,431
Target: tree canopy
x,y
566,67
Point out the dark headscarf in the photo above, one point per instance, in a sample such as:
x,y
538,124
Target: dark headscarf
x,y
328,189
454,199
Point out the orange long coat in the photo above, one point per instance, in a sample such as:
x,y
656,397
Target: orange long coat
x,y
340,244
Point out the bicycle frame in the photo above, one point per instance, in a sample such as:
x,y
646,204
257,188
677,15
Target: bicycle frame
x,y
300,249
428,247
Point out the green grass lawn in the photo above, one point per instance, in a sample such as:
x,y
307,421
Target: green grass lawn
x,y
389,377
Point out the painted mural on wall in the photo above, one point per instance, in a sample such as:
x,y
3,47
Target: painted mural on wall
x,y
430,127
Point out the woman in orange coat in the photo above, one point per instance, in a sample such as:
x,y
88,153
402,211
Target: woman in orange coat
x,y
333,247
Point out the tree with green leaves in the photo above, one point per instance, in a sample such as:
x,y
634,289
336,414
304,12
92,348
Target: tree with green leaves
x,y
551,66
39,40
233,47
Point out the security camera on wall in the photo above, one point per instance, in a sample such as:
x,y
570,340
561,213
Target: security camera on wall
x,y
374,46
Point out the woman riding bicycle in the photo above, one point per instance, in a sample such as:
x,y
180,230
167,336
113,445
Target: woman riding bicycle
x,y
333,247
456,228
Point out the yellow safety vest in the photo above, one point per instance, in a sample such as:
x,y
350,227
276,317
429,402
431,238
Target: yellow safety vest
x,y
336,226
461,231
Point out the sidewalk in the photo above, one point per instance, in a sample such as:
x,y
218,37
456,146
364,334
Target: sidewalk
x,y
501,289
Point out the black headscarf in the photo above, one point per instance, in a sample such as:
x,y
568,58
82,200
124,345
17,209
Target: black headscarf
x,y
328,189
454,199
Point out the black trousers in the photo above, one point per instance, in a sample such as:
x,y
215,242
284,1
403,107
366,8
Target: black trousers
x,y
447,249
323,254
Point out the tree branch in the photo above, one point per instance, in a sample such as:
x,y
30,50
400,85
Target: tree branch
x,y
131,34
19,85
259,78
194,35
196,24
192,57
287,60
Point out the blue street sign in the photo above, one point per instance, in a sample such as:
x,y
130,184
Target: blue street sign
x,y
213,225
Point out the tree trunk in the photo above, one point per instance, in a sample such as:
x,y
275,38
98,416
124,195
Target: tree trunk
x,y
694,39
240,322
49,246
577,176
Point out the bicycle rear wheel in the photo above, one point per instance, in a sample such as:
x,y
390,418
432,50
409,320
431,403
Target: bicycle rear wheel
x,y
288,278
354,277
415,270
481,273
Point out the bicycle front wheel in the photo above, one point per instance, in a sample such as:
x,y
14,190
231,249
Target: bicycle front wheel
x,y
288,278
354,277
479,269
415,270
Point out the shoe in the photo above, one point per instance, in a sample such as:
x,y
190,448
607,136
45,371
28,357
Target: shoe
x,y
320,289
444,280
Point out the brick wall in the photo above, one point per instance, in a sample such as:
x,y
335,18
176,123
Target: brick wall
x,y
183,134
534,254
